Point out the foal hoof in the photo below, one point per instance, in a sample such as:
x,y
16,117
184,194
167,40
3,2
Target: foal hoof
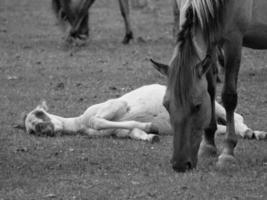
x,y
248,134
127,38
155,139
260,135
207,150
226,161
153,129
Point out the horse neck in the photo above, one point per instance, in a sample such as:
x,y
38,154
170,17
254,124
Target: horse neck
x,y
67,125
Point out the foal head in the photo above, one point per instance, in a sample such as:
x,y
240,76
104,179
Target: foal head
x,y
37,122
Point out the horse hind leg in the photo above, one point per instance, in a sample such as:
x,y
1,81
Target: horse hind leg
x,y
80,25
124,8
232,49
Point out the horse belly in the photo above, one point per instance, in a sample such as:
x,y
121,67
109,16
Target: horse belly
x,y
259,12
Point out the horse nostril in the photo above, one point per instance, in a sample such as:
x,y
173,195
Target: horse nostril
x,y
188,165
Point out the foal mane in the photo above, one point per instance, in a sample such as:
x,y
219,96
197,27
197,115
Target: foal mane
x,y
208,16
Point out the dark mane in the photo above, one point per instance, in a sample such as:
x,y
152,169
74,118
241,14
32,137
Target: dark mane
x,y
208,16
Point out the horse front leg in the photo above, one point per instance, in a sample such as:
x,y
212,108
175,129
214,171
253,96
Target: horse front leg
x,y
80,26
124,8
232,48
208,146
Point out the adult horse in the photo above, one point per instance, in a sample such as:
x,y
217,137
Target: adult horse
x,y
76,13
204,26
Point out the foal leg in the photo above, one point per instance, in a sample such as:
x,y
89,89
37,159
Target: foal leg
x,y
137,134
100,124
124,8
232,47
108,115
208,146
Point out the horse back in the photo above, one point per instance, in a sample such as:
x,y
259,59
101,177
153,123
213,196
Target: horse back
x,y
259,14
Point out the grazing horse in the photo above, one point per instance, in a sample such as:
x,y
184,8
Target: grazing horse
x,y
205,26
138,114
75,13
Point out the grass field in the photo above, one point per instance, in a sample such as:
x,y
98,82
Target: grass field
x,y
35,64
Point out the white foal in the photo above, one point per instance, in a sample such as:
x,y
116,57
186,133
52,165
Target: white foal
x,y
138,114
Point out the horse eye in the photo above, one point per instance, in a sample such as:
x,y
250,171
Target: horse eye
x,y
196,108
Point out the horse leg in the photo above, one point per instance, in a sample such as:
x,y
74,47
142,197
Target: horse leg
x,y
80,24
124,8
240,127
208,146
83,32
232,50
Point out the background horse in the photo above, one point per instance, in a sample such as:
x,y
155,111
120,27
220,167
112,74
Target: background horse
x,y
76,13
138,114
204,26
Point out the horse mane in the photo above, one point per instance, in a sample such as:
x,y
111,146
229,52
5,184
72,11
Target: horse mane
x,y
208,16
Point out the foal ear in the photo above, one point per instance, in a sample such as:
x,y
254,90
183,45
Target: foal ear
x,y
21,123
43,105
162,68
203,67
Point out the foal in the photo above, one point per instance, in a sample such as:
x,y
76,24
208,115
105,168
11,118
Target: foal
x,y
138,114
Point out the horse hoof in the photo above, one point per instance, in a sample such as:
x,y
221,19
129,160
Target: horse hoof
x,y
155,139
153,129
248,134
207,150
76,41
127,38
226,161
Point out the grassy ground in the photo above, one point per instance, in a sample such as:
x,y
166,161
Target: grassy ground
x,y
35,65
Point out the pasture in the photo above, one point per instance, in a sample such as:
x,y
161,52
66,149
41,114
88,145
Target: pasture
x,y
35,64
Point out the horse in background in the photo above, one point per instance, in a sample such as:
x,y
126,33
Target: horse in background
x,y
75,14
138,114
204,27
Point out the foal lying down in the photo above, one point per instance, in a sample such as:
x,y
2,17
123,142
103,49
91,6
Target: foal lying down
x,y
138,114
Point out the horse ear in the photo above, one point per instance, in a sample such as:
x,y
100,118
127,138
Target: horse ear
x,y
43,105
162,68
204,66
21,123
